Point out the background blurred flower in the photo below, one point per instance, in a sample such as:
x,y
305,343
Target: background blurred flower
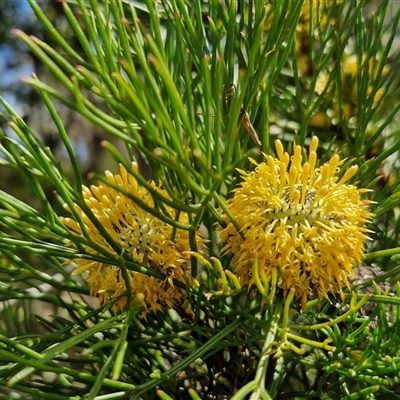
x,y
301,221
351,67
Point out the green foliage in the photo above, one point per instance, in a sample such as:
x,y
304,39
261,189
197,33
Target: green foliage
x,y
168,82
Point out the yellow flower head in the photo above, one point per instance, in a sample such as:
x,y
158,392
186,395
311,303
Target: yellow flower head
x,y
141,235
302,222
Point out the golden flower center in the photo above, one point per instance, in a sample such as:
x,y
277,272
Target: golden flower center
x,y
292,212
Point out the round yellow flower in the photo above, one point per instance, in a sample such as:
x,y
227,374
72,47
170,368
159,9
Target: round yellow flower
x,y
147,239
301,221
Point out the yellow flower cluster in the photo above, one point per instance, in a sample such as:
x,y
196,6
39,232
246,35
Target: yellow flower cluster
x,y
302,222
139,234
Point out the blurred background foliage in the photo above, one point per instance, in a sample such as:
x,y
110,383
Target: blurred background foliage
x,y
17,61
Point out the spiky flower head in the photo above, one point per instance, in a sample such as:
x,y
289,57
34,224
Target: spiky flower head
x,y
139,234
302,222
